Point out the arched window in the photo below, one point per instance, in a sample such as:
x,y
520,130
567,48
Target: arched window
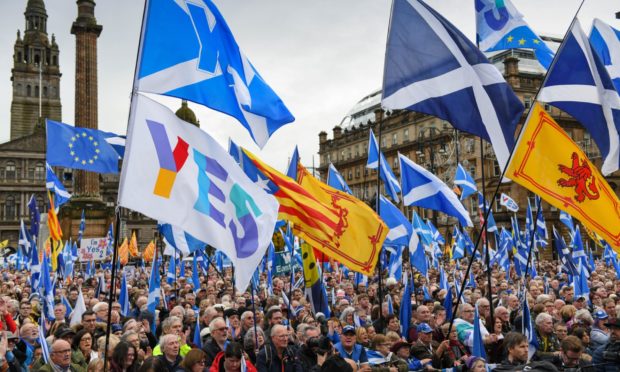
x,y
9,208
9,171
19,57
44,91
36,90
39,171
55,61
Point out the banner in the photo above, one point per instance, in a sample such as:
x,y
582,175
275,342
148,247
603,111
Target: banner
x,y
92,249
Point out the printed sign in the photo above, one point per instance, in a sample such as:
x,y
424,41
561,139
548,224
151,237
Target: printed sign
x,y
92,249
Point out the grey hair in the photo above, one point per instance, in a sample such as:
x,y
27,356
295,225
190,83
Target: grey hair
x,y
165,339
126,335
212,323
167,323
346,312
245,314
250,337
542,317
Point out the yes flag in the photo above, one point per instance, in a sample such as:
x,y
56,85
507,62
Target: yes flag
x,y
548,163
53,184
508,203
392,188
335,180
605,41
465,181
177,173
500,26
80,148
431,67
188,51
579,84
423,189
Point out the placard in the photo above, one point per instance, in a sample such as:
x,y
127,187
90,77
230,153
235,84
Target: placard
x,y
92,249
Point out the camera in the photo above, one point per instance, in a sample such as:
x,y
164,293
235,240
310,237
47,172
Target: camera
x,y
611,356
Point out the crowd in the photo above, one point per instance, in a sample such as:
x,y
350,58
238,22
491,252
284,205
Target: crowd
x,y
275,329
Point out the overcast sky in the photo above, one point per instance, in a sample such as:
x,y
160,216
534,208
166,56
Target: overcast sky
x,y
320,56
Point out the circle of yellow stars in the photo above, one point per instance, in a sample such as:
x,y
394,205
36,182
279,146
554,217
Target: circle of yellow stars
x,y
84,160
521,41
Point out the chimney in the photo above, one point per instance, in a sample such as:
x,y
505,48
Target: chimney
x,y
322,137
337,132
511,67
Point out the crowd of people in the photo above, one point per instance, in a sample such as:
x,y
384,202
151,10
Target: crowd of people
x,y
214,328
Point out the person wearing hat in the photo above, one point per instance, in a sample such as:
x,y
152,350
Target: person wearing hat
x,y
348,348
607,357
234,330
425,348
599,335
401,349
476,364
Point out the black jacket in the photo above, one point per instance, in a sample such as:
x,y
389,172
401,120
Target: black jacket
x,y
211,348
268,360
171,367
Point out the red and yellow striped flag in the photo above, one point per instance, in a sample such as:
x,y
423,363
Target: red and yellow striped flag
x,y
334,222
52,220
149,252
547,162
123,252
133,245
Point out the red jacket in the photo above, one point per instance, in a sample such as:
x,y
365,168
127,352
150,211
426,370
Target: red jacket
x,y
10,323
219,362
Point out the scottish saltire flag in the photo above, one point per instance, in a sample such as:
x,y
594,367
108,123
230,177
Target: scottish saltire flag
x,y
188,51
82,227
123,297
179,239
431,67
195,276
447,302
80,148
395,265
154,288
605,41
392,187
375,358
390,304
53,184
292,165
478,349
465,181
335,180
35,218
171,274
423,189
458,244
528,329
483,207
580,258
45,350
580,284
542,233
500,26
564,253
46,289
580,85
178,174
417,255
35,269
567,220
437,237
25,239
400,228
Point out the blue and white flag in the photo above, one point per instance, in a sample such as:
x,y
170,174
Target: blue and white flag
x,y
564,253
400,228
528,329
53,184
195,276
478,349
567,220
25,242
375,358
171,274
606,43
123,297
448,302
335,180
390,304
423,189
580,259
458,246
508,203
500,26
417,255
392,187
542,233
82,227
431,67
35,218
179,239
465,181
395,265
580,284
47,290
405,306
154,288
188,51
234,150
484,207
579,85
292,165
45,350
437,237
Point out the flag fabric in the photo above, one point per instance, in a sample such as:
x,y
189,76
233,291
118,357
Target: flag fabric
x,y
25,239
508,203
195,276
197,187
580,258
149,252
458,244
171,274
123,297
154,287
35,217
448,303
478,349
53,184
418,255
80,308
80,148
528,329
335,223
335,180
423,189
123,252
390,304
82,227
180,240
400,228
395,265
35,269
52,220
133,245
45,350
483,207
580,284
500,26
431,67
579,85
315,289
47,290
605,41
292,165
465,181
567,220
234,150
392,187
188,51
564,253
541,235
548,163
437,237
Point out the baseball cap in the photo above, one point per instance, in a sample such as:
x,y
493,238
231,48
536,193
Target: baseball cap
x,y
424,328
348,329
600,314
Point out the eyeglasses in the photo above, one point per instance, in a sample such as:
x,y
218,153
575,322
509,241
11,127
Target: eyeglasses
x,y
225,329
62,351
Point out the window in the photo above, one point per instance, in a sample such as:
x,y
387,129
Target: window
x,y
527,101
39,172
9,171
383,142
496,170
9,208
342,155
350,176
41,204
394,139
28,90
406,135
395,163
357,172
357,151
472,171
497,205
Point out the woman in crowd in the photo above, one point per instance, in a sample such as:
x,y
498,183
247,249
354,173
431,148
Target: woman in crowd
x,y
83,343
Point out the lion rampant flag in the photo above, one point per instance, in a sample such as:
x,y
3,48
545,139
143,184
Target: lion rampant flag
x,y
547,162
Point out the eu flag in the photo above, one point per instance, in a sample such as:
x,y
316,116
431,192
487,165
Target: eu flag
x,y
80,148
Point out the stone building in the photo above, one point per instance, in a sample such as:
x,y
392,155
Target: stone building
x,y
435,144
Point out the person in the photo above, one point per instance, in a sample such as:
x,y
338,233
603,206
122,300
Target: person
x,y
219,336
348,348
230,360
381,359
276,356
60,359
153,364
195,361
174,326
425,348
82,343
24,350
607,357
306,353
599,335
170,348
571,350
124,358
402,350
455,354
517,349
253,336
475,364
548,344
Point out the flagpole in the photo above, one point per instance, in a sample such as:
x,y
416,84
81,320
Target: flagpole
x,y
483,231
117,228
532,239
379,119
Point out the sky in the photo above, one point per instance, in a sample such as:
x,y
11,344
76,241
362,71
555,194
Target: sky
x,y
321,57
